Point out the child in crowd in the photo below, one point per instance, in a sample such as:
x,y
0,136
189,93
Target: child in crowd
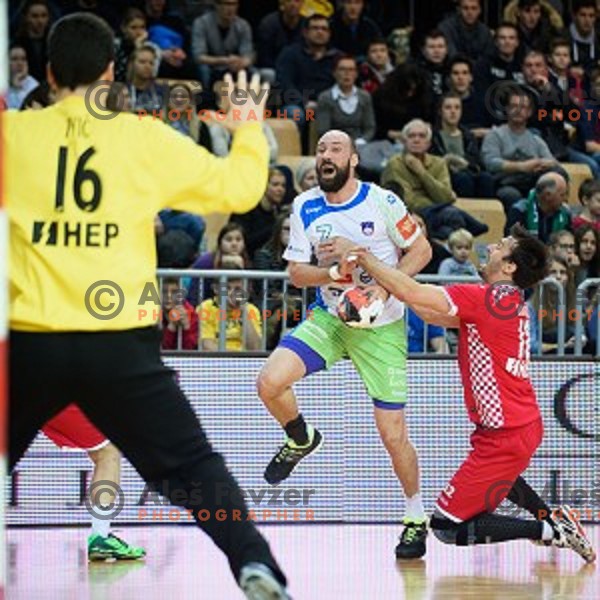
x,y
460,243
589,196
377,67
180,321
563,242
243,327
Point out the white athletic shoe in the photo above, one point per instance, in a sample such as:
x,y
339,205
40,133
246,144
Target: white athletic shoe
x,y
572,532
258,583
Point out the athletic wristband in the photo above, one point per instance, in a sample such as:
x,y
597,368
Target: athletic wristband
x,y
334,273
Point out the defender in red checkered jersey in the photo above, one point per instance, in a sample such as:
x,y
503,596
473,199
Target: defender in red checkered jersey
x,y
493,355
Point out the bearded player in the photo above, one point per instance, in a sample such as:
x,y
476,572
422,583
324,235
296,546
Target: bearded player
x,y
493,355
326,221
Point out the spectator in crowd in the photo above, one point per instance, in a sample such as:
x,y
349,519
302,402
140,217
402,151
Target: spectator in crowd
x,y
423,337
404,96
281,308
175,249
133,35
221,42
118,98
439,252
352,30
144,92
243,326
168,31
459,148
587,248
563,243
589,123
460,82
433,61
182,115
424,178
514,154
32,35
544,210
562,76
277,30
465,33
548,102
179,319
373,71
538,22
585,45
589,196
345,107
503,65
21,82
546,301
304,70
39,97
259,222
460,243
231,249
306,174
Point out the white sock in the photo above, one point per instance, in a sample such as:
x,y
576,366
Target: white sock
x,y
414,508
101,526
547,531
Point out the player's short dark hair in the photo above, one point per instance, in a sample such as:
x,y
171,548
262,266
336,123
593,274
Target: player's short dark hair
x,y
80,48
530,256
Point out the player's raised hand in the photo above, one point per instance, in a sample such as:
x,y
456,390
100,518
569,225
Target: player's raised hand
x,y
243,102
333,249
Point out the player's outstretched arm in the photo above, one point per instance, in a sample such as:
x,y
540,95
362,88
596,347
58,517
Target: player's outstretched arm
x,y
396,282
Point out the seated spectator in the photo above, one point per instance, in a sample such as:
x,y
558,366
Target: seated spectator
x,y
280,308
562,76
345,107
465,33
433,61
424,178
182,115
589,123
587,248
548,102
537,20
458,147
546,301
460,243
514,154
174,249
168,31
460,82
145,94
133,35
259,222
277,30
305,70
585,45
243,327
589,196
544,210
504,64
21,82
221,42
404,96
373,72
179,319
423,337
231,248
306,174
32,35
352,30
563,243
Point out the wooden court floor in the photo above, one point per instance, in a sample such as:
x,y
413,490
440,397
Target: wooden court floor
x,y
323,562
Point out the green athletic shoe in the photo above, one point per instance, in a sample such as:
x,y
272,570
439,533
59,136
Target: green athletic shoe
x,y
412,540
112,548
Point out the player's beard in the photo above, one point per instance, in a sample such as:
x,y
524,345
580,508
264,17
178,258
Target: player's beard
x,y
338,181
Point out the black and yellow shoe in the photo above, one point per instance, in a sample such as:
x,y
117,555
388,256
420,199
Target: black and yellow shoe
x,y
412,540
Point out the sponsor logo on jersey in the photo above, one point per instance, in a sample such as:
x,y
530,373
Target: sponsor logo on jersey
x,y
406,227
391,199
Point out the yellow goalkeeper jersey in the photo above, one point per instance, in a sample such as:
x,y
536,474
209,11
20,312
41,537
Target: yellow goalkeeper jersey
x,y
82,193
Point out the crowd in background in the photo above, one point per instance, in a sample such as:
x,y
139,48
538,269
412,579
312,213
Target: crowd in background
x,y
451,108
